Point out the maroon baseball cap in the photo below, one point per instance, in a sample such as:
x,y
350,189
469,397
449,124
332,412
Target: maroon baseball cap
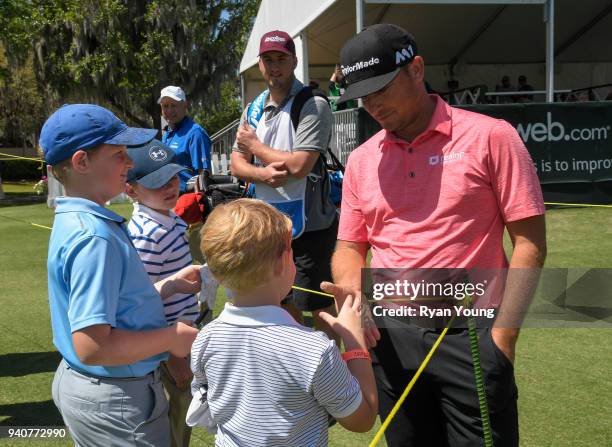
x,y
276,41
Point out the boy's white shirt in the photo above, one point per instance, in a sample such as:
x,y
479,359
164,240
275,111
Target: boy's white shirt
x,y
256,316
199,412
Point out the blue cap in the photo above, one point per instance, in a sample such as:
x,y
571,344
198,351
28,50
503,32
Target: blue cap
x,y
153,166
83,126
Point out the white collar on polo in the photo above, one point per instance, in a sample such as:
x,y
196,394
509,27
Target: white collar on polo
x,y
256,316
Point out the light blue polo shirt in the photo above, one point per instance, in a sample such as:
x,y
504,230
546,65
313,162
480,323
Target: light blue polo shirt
x,y
191,144
96,277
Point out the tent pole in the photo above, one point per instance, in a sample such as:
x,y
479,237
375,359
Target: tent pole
x,y
242,91
359,14
549,18
305,58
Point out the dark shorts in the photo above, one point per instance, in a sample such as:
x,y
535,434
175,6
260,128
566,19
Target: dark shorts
x,y
442,409
312,253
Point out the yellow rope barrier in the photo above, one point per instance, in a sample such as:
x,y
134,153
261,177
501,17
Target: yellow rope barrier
x,y
417,374
312,291
26,222
577,204
17,157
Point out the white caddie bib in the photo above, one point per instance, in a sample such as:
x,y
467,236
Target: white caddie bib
x,y
278,133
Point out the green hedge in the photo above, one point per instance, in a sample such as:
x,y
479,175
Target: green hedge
x,y
21,170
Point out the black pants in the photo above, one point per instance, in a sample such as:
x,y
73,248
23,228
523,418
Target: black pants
x,y
442,409
312,253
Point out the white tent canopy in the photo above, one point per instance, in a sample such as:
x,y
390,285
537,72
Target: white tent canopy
x,y
470,40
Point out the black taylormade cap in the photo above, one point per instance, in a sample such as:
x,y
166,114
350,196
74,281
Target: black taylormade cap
x,y
372,58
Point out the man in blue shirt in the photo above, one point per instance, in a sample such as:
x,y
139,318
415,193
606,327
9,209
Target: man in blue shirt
x,y
188,140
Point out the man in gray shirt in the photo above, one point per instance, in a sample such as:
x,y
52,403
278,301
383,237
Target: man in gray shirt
x,y
287,165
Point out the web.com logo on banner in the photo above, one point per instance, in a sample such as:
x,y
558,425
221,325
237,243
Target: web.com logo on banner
x,y
556,131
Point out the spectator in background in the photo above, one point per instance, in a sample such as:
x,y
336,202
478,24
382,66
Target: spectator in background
x,y
316,89
524,87
190,143
505,86
187,139
287,165
337,84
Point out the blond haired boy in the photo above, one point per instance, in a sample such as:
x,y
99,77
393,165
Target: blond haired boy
x,y
266,379
107,317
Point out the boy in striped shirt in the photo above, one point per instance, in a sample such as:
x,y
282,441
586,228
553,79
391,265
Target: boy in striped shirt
x,y
159,237
260,378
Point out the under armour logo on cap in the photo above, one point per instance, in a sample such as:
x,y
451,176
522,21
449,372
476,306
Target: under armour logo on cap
x,y
154,165
157,153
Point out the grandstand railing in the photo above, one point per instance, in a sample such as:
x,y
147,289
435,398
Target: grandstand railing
x,y
343,140
524,96
602,92
222,143
475,94
345,136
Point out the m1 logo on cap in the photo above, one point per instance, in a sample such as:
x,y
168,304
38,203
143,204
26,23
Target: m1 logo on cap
x,y
275,39
403,55
359,65
157,153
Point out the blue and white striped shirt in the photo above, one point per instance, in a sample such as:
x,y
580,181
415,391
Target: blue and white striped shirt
x,y
271,382
162,245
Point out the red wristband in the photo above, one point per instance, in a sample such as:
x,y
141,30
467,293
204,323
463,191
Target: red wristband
x,y
356,354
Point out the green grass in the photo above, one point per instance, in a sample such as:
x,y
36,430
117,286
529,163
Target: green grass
x,y
19,193
564,375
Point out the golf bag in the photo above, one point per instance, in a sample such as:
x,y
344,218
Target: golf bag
x,y
209,192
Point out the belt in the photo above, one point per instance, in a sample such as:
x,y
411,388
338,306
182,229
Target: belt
x,y
154,375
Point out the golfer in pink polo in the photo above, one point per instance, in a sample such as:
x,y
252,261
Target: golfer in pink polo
x,y
435,188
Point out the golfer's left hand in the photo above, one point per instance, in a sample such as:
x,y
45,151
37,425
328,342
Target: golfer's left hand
x,y
505,340
187,280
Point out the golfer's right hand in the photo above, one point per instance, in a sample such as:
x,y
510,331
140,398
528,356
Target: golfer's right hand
x,y
370,331
184,335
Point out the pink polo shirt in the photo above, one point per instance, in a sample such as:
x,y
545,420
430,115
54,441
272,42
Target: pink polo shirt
x,y
442,200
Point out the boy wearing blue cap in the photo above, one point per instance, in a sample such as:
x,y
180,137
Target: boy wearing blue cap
x,y
160,240
107,317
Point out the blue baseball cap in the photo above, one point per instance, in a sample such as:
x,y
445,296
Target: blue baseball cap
x,y
73,127
153,165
